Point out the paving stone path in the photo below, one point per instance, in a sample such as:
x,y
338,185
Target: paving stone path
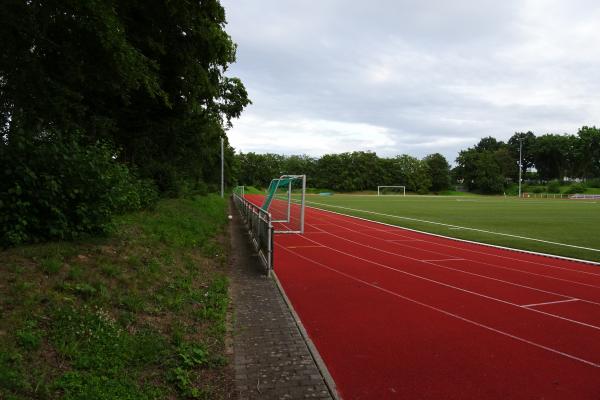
x,y
271,358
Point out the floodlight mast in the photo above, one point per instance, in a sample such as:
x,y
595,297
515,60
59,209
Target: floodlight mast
x,y
520,161
289,201
222,169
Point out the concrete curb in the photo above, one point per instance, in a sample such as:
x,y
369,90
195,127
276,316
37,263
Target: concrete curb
x,y
314,352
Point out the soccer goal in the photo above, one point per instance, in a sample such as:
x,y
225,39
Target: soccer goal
x,y
285,202
391,190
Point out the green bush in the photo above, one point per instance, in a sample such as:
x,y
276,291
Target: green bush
x,y
554,187
173,182
512,190
54,187
576,188
593,183
133,194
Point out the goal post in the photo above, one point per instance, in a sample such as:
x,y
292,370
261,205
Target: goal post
x,y
391,190
240,191
282,211
285,201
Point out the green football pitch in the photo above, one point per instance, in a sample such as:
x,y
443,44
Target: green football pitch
x,y
569,228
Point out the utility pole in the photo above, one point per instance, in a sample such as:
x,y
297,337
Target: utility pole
x,y
520,162
222,168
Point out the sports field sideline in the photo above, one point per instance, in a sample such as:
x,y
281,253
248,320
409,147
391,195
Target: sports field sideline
x,y
396,313
562,227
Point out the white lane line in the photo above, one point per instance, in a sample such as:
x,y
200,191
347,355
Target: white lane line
x,y
475,261
345,218
461,270
303,247
456,226
549,302
455,287
399,228
445,259
450,314
349,219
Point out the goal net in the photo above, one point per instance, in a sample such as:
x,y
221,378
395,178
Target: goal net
x,y
285,201
391,191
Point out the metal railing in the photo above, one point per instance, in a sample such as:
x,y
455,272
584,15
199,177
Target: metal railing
x,y
260,228
575,196
585,196
528,195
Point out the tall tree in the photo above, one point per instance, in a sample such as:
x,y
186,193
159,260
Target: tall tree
x,y
527,141
150,76
480,169
414,173
587,152
506,163
364,167
488,174
259,169
488,143
551,156
331,172
439,171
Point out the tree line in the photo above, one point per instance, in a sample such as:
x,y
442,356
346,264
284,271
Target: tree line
x,y
355,171
490,166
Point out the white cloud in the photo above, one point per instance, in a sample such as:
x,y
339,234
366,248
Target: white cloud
x,y
307,136
399,76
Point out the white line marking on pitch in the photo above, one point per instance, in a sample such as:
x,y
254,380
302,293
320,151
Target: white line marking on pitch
x,y
549,302
477,243
541,346
452,286
496,265
302,247
457,227
459,270
478,262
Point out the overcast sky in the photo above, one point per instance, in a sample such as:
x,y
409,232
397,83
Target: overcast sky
x,y
415,77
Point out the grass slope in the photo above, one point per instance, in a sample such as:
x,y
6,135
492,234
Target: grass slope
x,y
574,222
138,315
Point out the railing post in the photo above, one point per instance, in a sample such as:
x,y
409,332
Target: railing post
x,y
302,207
269,249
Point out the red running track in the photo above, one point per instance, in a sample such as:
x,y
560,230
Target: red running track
x,y
401,314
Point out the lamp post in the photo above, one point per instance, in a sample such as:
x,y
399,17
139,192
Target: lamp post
x,y
222,169
520,162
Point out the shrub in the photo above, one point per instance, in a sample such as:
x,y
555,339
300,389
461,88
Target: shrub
x,y
57,187
593,183
554,187
537,189
131,194
576,188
